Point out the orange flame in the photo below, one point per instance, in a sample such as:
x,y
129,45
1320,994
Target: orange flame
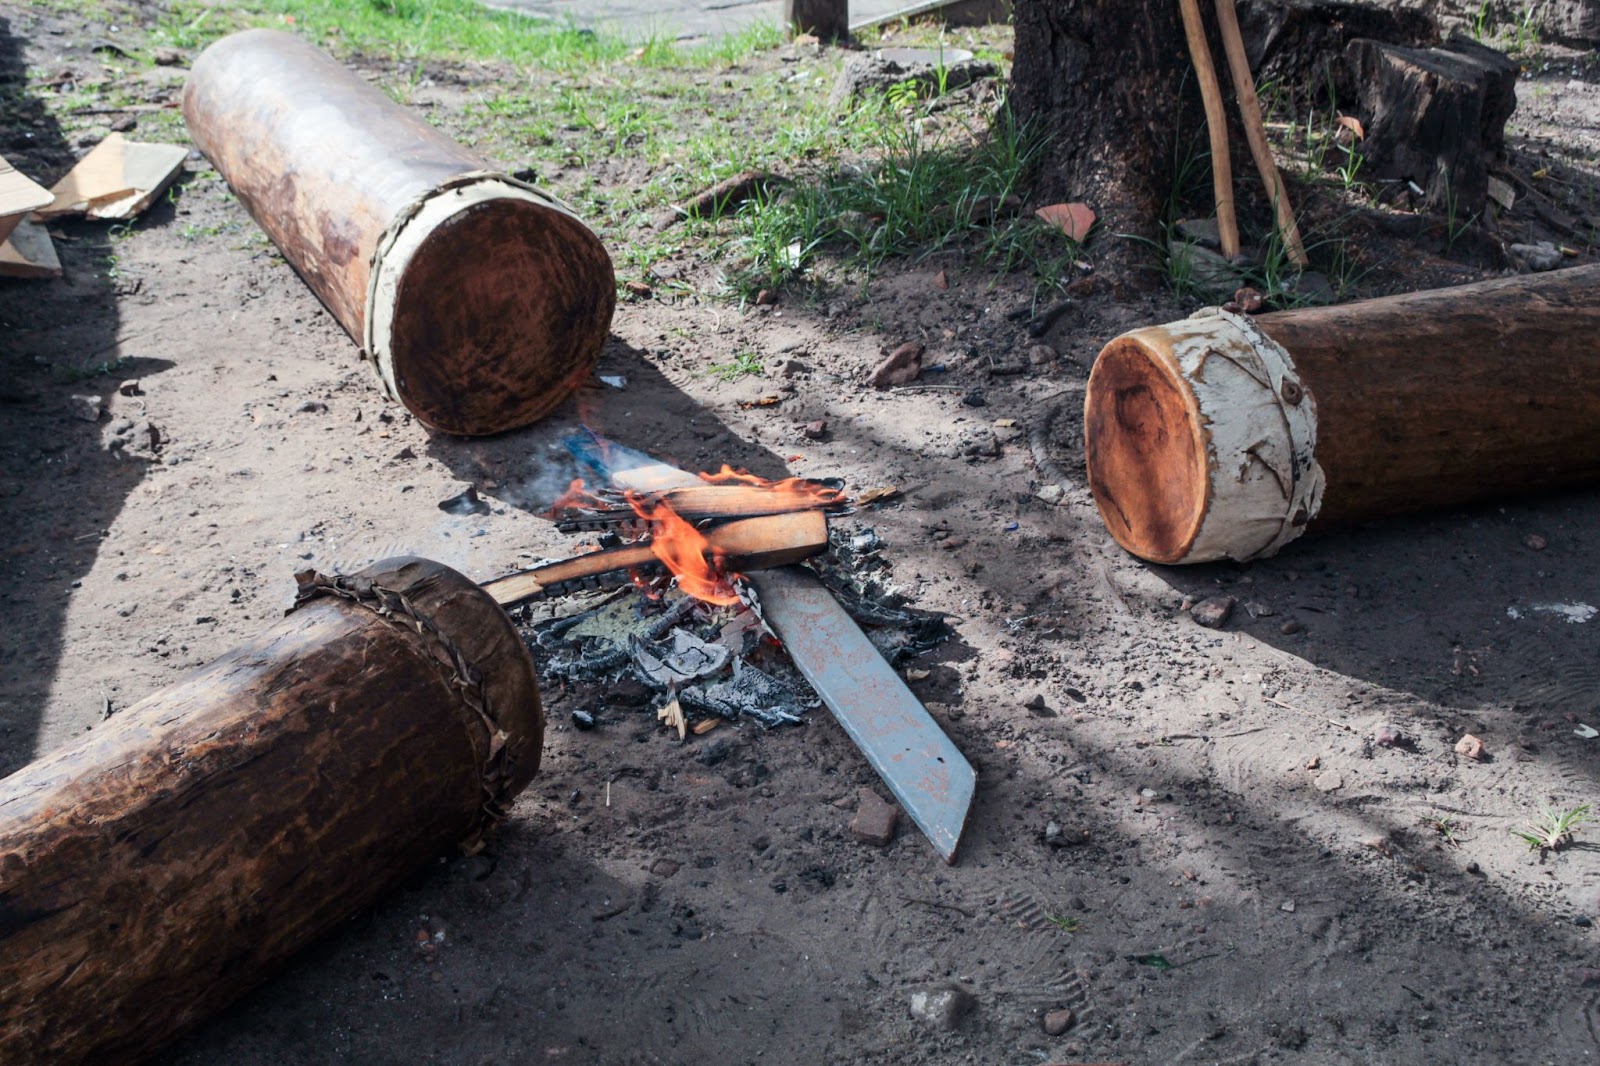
x,y
685,551
811,491
576,498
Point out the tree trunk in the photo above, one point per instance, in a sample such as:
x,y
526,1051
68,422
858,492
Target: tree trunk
x,y
1110,86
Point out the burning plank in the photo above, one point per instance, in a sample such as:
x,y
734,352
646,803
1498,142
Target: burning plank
x,y
702,561
703,503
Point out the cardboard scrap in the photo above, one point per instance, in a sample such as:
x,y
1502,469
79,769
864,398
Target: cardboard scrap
x,y
29,253
18,196
117,180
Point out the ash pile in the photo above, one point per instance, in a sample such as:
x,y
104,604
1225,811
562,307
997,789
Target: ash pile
x,y
650,647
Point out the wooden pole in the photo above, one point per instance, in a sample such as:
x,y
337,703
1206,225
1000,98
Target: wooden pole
x,y
1222,436
828,20
482,301
1255,131
180,853
1216,127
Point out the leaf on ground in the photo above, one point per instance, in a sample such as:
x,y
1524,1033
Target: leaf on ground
x,y
1072,219
1153,960
1353,124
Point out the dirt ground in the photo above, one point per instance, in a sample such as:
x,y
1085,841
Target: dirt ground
x,y
1195,844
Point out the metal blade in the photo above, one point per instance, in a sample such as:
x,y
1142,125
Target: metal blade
x,y
922,767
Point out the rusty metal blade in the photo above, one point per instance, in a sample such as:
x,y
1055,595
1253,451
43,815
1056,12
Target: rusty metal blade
x,y
922,767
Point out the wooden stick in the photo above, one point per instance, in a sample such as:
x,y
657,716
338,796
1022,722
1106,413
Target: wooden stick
x,y
746,544
1255,131
1216,127
699,503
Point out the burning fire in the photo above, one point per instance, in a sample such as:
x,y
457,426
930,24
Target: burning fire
x,y
811,491
675,541
684,551
576,498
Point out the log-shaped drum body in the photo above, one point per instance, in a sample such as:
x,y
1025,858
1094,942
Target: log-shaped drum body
x,y
482,301
1224,436
178,854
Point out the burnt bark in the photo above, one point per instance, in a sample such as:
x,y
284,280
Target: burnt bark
x,y
1109,86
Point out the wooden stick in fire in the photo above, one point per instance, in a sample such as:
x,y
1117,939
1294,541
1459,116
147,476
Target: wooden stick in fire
x,y
1216,127
1255,131
745,544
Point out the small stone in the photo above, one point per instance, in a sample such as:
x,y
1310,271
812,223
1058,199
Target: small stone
x,y
1313,762
875,820
717,751
1470,747
1051,494
766,298
311,407
790,368
1036,703
1287,906
1582,921
168,57
1059,1021
126,610
1290,628
1535,542
130,388
124,124
408,452
815,430
975,398
1041,355
1059,836
1209,272
1212,612
582,720
1246,301
665,867
464,502
85,408
1535,257
1389,735
899,367
942,1008
639,289
1204,231
1329,782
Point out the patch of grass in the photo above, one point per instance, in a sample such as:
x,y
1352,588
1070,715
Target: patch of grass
x,y
1448,828
921,187
401,29
1553,829
460,29
1064,922
108,368
744,364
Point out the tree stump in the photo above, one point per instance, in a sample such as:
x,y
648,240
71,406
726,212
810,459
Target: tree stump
x,y
1574,22
1433,116
1297,43
827,20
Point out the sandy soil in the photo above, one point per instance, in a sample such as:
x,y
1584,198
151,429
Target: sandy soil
x,y
1217,796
